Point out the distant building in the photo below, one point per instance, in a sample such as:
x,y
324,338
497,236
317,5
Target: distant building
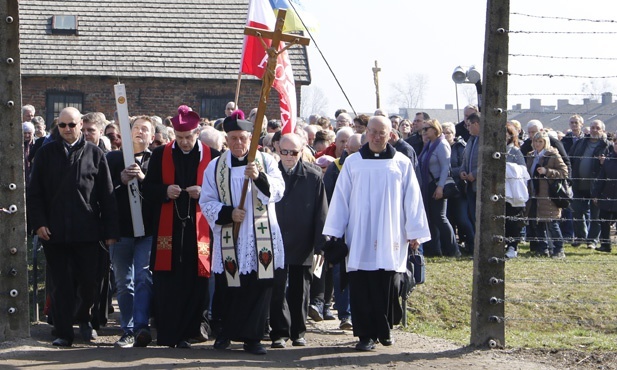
x,y
167,53
558,118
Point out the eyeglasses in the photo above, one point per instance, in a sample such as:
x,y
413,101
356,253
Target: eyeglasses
x,y
425,129
63,125
292,153
157,142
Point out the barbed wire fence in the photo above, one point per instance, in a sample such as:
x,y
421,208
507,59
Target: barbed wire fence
x,y
539,300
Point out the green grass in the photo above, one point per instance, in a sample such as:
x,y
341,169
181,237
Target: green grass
x,y
553,304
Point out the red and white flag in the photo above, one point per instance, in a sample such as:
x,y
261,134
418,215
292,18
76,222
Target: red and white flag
x,y
255,59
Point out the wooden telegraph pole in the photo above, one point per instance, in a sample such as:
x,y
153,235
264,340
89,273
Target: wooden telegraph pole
x,y
14,311
376,71
487,310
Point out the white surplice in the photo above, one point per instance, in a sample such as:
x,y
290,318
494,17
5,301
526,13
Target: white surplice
x,y
211,205
377,204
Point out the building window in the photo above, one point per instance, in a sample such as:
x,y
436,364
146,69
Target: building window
x,y
213,107
56,101
64,24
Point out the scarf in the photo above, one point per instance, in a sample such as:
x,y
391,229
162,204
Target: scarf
x,y
166,220
424,159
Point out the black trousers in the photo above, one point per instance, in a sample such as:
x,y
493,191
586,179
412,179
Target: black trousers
x,y
290,300
245,309
371,295
67,264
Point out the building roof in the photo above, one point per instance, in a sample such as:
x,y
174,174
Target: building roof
x,y
558,118
190,39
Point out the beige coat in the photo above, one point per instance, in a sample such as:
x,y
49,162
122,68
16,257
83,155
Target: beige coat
x,y
556,169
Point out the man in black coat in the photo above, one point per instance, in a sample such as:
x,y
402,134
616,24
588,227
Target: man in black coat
x,y
415,139
301,215
586,157
71,206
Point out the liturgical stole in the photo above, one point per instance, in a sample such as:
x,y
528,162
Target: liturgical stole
x,y
162,261
261,228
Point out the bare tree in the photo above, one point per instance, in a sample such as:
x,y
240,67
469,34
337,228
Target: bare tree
x,y
595,87
409,92
468,93
313,101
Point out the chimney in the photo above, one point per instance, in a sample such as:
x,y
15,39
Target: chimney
x,y
535,105
518,106
586,101
607,98
562,103
449,106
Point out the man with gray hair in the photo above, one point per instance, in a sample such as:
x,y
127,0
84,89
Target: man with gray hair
x,y
27,113
301,215
336,149
212,137
343,120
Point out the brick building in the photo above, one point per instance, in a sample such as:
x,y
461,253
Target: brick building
x,y
167,53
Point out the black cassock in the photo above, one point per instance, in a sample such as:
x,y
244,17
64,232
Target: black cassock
x,y
178,295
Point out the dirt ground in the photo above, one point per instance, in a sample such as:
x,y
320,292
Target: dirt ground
x,y
328,348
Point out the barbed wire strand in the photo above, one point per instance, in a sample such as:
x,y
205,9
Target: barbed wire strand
x,y
564,18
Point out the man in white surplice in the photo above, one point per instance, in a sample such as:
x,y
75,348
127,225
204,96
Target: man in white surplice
x,y
242,295
377,206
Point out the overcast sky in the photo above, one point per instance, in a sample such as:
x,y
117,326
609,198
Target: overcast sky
x,y
432,37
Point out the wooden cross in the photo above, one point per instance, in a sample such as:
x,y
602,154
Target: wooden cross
x,y
266,84
376,71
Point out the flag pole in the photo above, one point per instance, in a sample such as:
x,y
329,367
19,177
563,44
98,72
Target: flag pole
x,y
238,89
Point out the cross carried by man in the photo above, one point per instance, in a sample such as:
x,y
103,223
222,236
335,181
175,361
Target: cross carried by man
x,y
269,76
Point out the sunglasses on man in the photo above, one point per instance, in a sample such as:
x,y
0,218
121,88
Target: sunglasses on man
x,y
292,153
63,125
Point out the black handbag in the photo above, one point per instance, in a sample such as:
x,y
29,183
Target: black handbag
x,y
419,266
560,192
450,189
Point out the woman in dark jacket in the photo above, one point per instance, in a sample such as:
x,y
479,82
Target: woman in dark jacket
x,y
457,207
604,195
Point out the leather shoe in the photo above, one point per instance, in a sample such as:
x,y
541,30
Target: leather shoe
x,y
278,343
365,345
604,249
255,348
183,344
300,342
86,331
59,342
221,343
386,341
143,338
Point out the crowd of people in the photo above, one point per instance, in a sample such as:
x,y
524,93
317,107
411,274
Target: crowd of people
x,y
240,246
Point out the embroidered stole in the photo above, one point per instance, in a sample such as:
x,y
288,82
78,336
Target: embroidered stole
x,y
166,220
261,228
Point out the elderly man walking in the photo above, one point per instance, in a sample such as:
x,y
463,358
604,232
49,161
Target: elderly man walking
x,y
71,206
302,213
244,268
377,205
